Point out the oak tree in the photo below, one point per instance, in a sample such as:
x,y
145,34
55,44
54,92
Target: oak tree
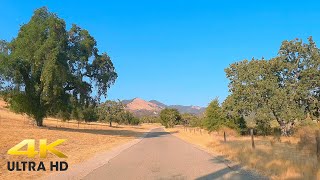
x,y
46,65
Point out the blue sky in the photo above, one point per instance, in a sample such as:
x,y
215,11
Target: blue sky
x,y
176,51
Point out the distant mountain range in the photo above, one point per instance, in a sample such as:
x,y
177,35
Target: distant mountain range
x,y
142,107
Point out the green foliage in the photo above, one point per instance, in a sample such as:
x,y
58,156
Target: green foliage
x,y
214,116
110,111
281,88
126,117
263,128
170,117
46,66
191,120
150,119
90,114
64,115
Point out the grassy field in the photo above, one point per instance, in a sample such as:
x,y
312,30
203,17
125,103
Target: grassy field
x,y
83,140
277,158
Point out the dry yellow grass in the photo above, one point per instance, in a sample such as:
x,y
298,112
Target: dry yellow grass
x,y
289,158
82,143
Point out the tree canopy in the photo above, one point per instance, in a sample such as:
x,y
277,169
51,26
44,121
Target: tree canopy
x,y
47,69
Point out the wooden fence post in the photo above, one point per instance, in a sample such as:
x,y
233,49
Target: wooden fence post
x,y
318,144
252,139
224,136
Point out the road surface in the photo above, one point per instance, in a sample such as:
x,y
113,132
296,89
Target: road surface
x,y
161,155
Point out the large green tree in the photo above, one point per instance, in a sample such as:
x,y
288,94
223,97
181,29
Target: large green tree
x,y
279,88
46,66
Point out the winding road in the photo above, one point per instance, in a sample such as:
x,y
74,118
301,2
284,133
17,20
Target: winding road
x,y
161,155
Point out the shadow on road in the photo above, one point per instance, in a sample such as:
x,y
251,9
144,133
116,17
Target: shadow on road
x,y
155,134
114,131
234,172
225,173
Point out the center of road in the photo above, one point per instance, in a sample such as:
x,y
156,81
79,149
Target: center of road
x,y
161,155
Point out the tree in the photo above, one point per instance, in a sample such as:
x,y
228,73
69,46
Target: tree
x,y
46,65
278,88
302,72
4,52
214,116
90,114
229,108
170,117
110,110
126,117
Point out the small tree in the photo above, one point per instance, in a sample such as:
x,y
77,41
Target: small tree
x,y
90,114
170,117
126,117
214,116
110,110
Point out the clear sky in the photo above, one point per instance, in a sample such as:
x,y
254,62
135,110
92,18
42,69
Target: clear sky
x,y
176,51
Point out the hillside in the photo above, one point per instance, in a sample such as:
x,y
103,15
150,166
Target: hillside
x,y
142,107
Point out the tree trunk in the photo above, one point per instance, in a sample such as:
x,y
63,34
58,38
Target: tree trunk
x,y
286,128
39,122
110,123
283,128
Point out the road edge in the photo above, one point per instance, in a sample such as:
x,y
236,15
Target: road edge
x,y
82,169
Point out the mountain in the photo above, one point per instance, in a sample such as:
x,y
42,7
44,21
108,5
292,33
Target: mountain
x,y
127,101
189,109
140,104
158,103
141,107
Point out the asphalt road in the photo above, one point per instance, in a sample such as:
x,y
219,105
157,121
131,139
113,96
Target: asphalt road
x,y
163,156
